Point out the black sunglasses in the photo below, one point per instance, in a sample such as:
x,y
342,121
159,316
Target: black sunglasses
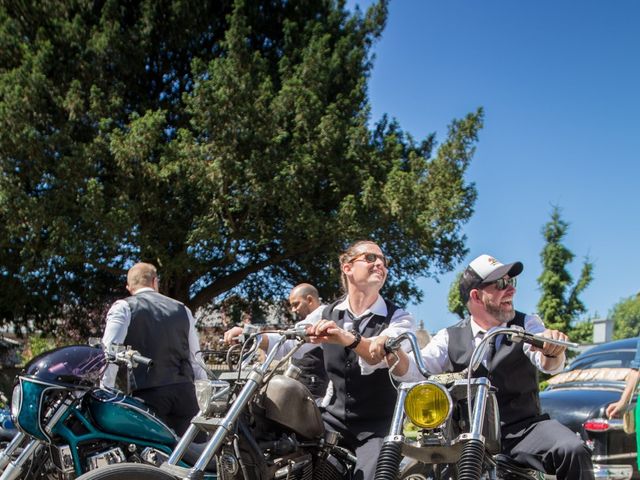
x,y
503,283
371,258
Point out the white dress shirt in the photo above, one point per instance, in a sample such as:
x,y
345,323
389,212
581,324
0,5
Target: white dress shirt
x,y
436,353
401,321
118,320
273,337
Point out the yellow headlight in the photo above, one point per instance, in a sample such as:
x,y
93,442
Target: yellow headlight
x,y
427,405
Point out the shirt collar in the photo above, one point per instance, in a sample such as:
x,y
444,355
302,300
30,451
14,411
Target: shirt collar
x,y
379,307
143,289
477,329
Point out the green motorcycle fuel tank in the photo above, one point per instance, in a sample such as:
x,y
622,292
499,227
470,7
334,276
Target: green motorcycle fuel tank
x,y
116,413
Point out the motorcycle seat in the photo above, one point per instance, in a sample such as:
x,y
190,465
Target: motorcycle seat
x,y
506,462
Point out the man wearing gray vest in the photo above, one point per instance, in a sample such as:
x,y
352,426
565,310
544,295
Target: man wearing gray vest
x,y
162,329
531,438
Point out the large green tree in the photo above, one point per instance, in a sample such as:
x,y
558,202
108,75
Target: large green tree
x,y
228,142
626,317
559,304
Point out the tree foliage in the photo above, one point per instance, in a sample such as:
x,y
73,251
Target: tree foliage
x,y
626,317
559,303
455,302
226,142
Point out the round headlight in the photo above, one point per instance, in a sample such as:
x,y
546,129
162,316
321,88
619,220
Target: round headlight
x,y
16,400
428,405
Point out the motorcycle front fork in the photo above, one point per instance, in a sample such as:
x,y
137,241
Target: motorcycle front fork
x,y
13,468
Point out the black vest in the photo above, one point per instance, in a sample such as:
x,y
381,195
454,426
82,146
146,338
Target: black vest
x,y
510,371
159,329
313,374
360,402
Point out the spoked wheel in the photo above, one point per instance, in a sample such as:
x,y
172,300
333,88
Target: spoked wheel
x,y
127,471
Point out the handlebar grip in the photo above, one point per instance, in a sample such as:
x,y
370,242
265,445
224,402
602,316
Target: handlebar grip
x,y
142,360
533,341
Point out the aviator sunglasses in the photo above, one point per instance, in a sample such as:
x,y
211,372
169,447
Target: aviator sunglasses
x,y
503,283
371,258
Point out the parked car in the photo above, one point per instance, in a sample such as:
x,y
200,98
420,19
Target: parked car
x,y
579,396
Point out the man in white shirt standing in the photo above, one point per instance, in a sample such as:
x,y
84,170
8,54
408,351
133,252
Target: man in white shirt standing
x,y
531,438
162,329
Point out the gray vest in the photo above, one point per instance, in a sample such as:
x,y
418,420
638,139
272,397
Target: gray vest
x,y
360,402
510,371
159,329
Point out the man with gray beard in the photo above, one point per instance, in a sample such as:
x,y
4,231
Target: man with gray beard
x,y
488,287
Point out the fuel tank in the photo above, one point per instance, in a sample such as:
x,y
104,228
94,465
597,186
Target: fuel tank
x,y
125,416
288,402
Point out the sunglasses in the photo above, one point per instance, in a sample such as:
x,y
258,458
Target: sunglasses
x,y
503,283
371,258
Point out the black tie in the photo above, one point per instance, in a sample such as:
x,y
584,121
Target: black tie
x,y
357,321
492,349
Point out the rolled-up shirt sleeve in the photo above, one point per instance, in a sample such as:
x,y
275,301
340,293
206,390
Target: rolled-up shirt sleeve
x,y
533,324
401,322
313,318
435,356
115,331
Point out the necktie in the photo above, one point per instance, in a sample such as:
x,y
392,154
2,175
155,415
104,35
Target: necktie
x,y
357,321
492,349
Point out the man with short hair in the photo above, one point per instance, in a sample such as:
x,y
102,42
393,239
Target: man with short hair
x,y
352,331
162,329
531,438
303,300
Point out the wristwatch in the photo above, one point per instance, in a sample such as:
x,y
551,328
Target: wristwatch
x,y
356,342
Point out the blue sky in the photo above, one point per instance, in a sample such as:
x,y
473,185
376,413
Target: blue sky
x,y
560,85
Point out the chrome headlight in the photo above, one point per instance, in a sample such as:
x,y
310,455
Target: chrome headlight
x,y
212,396
16,401
428,405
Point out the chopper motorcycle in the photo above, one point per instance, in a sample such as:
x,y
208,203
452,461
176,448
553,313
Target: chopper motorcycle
x,y
458,422
68,424
262,425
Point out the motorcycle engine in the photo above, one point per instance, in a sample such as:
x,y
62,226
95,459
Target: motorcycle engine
x,y
107,457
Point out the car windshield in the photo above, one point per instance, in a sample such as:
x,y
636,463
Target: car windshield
x,y
611,359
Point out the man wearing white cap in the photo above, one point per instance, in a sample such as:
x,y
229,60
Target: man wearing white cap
x,y
488,287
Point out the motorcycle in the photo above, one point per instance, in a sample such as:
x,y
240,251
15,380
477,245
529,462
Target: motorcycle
x,y
68,424
457,419
263,425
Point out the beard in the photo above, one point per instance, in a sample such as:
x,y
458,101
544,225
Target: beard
x,y
498,312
